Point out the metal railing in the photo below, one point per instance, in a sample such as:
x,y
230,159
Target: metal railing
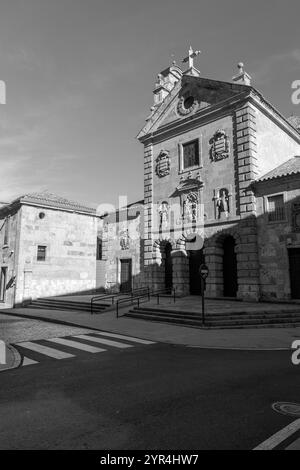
x,y
112,297
138,297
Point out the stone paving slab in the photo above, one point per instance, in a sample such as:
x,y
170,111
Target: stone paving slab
x,y
251,339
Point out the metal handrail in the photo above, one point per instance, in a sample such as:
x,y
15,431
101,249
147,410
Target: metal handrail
x,y
113,296
165,291
141,296
132,299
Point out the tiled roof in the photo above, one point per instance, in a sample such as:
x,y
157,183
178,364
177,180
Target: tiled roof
x,y
53,200
291,167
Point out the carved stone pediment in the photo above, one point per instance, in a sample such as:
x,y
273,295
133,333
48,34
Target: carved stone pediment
x,y
187,185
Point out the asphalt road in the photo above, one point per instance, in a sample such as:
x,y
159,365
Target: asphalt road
x,y
147,397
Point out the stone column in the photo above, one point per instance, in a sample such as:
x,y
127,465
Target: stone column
x,y
181,275
247,249
148,214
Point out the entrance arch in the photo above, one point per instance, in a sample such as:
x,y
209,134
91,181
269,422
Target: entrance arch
x,y
168,266
230,279
196,258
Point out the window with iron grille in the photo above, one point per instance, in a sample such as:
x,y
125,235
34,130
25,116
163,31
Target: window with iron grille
x,y
276,211
41,253
190,154
99,249
6,231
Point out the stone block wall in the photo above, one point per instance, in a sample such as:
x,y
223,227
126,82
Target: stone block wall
x,y
70,265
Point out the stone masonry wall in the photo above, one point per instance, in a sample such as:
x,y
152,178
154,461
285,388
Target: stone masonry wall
x,y
70,264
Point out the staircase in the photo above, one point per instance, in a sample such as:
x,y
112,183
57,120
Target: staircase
x,y
73,305
265,319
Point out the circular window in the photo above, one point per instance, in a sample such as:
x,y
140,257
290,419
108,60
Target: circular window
x,y
188,102
42,215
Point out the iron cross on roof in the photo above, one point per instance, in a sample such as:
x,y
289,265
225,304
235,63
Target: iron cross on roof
x,y
190,57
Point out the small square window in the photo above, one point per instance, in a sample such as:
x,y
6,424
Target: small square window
x,y
41,253
190,154
276,211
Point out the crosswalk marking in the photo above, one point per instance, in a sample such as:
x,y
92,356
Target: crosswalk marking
x,y
108,342
126,338
45,350
294,446
280,436
28,362
76,345
99,337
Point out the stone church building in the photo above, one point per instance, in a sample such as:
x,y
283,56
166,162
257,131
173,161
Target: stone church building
x,y
221,186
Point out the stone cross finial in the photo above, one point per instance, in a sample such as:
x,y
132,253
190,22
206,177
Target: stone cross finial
x,y
190,57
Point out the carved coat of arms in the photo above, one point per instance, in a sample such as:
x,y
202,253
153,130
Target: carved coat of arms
x,y
219,146
163,164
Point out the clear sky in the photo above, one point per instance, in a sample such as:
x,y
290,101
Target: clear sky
x,y
80,75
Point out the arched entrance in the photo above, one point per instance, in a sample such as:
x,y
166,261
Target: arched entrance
x,y
230,280
168,267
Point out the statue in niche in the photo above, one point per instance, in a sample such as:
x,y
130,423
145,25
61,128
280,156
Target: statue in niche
x,y
124,240
190,206
163,211
223,202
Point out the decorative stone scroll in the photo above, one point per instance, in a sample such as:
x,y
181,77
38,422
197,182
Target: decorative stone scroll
x,y
219,146
163,164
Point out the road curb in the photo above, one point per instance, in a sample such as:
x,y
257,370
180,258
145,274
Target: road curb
x,y
17,359
151,338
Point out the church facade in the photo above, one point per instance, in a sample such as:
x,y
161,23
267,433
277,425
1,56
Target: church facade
x,y
207,145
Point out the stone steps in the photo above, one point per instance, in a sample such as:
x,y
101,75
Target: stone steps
x,y
234,320
54,304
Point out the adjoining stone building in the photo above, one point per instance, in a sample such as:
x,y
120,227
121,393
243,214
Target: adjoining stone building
x,y
278,222
48,248
207,144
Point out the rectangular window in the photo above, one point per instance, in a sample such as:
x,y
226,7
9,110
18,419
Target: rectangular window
x,y
41,253
3,275
99,249
190,154
6,231
276,212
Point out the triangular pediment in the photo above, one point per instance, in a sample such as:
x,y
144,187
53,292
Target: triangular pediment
x,y
190,97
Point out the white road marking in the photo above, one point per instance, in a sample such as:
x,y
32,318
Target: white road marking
x,y
76,345
294,446
45,350
126,338
108,342
28,362
280,436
